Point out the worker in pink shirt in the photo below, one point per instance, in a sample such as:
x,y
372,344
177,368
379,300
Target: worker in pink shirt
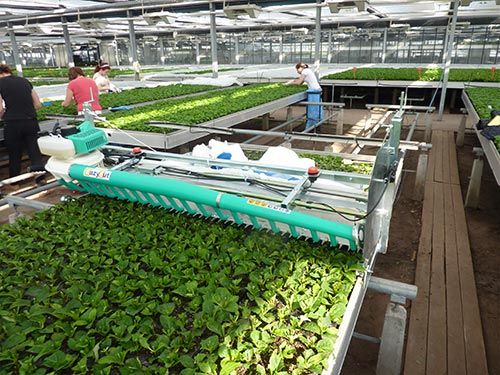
x,y
81,89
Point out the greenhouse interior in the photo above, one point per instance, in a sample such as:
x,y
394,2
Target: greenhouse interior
x,y
250,187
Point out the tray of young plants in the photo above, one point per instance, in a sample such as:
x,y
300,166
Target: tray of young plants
x,y
63,72
326,162
128,97
202,108
416,74
104,286
483,97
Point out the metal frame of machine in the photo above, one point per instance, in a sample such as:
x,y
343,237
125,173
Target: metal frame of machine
x,y
281,205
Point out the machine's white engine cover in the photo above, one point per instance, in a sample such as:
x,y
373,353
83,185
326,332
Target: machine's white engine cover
x,y
57,146
60,167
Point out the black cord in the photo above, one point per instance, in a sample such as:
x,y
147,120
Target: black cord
x,y
362,217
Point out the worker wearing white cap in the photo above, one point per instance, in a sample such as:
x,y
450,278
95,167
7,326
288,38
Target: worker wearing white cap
x,y
102,80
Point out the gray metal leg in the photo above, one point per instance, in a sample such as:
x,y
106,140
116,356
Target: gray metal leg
x,y
428,127
461,130
420,176
392,341
340,122
265,122
472,198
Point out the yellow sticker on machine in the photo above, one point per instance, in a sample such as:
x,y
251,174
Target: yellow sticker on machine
x,y
99,173
255,202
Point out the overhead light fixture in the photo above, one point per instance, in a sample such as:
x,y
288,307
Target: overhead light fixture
x,y
233,11
336,6
466,3
153,19
400,26
347,29
93,24
374,34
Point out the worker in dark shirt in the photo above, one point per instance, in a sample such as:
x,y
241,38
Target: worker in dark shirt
x,y
19,116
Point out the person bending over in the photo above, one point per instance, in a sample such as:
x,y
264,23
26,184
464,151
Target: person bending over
x,y
81,89
102,80
305,75
19,115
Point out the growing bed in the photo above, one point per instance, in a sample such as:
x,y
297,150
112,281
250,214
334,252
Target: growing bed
x,y
412,74
128,97
63,72
202,108
477,101
104,286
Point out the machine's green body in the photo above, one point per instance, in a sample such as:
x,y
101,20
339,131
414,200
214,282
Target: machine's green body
x,y
183,196
88,138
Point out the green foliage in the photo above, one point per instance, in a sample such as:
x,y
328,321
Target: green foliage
x,y
128,97
201,108
482,97
336,163
103,286
326,162
63,72
46,83
411,74
497,142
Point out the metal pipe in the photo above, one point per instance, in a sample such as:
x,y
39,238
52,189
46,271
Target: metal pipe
x,y
213,41
412,128
405,107
31,192
334,114
328,138
280,126
448,59
325,104
67,42
133,45
317,37
390,287
15,50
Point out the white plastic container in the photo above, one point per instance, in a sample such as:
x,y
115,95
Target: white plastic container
x,y
60,168
57,146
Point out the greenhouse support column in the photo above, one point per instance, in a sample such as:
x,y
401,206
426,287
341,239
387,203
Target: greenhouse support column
x,y
197,52
67,42
162,51
448,59
317,37
133,46
384,46
329,55
280,57
15,50
213,41
236,50
117,54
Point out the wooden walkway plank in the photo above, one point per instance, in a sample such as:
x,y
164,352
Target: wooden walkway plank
x,y
473,331
438,156
431,164
454,177
436,344
416,346
455,334
446,156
